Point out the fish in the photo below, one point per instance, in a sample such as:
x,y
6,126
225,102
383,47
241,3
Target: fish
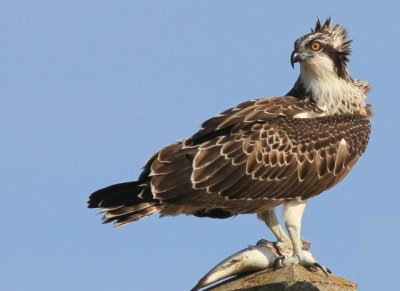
x,y
261,256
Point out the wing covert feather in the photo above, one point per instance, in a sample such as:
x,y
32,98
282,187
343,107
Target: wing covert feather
x,y
284,159
258,155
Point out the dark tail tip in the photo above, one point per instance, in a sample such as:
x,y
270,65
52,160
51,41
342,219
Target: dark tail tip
x,y
124,202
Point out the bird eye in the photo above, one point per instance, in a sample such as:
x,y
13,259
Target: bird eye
x,y
315,46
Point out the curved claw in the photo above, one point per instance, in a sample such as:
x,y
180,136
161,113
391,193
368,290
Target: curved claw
x,y
277,262
326,270
278,250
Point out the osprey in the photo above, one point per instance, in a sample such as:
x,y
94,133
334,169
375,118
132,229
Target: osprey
x,y
261,153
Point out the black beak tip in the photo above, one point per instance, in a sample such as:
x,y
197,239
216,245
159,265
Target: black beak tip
x,y
294,58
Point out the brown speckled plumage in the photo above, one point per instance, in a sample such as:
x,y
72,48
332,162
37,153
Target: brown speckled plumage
x,y
252,157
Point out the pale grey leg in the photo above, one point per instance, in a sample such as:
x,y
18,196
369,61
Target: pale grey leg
x,y
293,214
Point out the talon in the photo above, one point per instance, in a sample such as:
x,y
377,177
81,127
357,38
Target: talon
x,y
326,271
278,250
277,261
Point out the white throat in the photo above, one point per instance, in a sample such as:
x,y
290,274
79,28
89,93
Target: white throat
x,y
332,94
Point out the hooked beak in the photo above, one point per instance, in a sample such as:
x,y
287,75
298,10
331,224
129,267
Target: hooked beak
x,y
294,58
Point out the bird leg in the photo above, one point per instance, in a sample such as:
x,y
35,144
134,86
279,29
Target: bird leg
x,y
270,219
293,213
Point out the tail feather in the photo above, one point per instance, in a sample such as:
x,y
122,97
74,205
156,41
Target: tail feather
x,y
124,202
118,195
127,209
130,217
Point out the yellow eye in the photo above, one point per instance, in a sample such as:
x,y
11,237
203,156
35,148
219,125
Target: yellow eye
x,y
315,46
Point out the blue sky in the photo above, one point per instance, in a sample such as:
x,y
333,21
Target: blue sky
x,y
90,89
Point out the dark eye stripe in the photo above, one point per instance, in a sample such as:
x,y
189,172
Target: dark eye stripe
x,y
334,55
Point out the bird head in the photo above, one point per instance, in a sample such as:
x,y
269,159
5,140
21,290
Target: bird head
x,y
325,50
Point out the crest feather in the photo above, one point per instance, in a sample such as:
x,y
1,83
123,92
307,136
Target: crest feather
x,y
322,28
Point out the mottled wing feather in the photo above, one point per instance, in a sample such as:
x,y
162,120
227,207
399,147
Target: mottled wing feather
x,y
282,159
263,109
255,156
